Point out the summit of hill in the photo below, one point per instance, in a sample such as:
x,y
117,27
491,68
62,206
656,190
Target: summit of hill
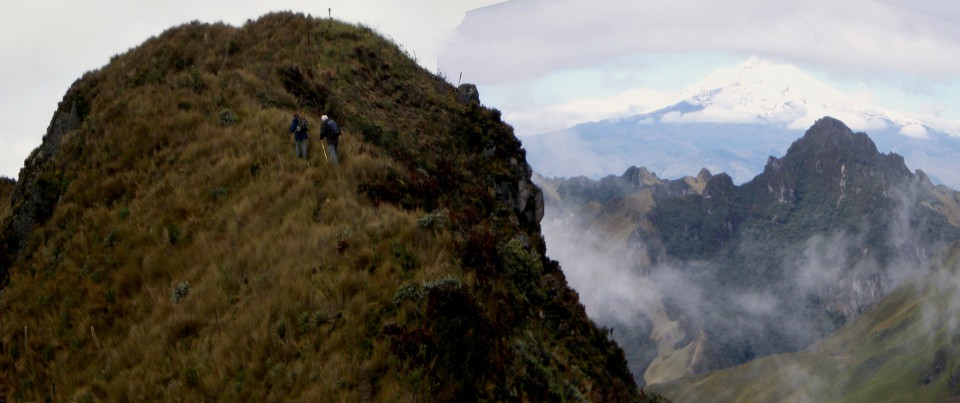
x,y
164,243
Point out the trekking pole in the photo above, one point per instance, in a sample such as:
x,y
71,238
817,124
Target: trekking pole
x,y
325,157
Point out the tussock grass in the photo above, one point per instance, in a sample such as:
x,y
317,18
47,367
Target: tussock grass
x,y
183,173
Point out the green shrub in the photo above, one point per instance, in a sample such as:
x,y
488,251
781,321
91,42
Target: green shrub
x,y
436,221
522,266
411,291
445,281
416,292
227,118
219,192
180,292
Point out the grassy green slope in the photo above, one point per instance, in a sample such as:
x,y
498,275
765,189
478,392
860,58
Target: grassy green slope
x,y
190,256
905,349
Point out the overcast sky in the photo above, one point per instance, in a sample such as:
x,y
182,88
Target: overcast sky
x,y
545,64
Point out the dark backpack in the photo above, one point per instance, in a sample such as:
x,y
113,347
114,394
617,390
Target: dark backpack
x,y
334,130
302,125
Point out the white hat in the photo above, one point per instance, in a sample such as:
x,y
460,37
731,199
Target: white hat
x,y
324,118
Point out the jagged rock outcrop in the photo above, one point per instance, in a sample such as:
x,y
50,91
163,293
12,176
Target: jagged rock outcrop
x,y
525,197
468,94
575,192
637,178
41,181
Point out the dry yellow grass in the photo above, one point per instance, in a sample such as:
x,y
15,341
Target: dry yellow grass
x,y
296,250
191,256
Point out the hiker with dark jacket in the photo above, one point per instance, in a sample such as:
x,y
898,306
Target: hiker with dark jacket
x,y
299,129
331,132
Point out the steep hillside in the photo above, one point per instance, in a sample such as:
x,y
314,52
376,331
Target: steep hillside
x,y
165,244
904,349
748,271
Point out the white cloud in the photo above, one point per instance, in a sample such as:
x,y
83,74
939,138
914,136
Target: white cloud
x,y
533,37
529,119
915,130
712,114
949,126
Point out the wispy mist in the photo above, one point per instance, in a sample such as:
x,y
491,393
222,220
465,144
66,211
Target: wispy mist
x,y
823,282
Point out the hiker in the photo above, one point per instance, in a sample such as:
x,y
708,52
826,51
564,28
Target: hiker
x,y
299,129
330,131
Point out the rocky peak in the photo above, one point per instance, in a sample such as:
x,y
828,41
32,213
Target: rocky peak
x,y
639,177
830,147
719,187
704,175
831,138
830,163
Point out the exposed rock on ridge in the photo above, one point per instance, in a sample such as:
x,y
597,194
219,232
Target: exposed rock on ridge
x,y
40,182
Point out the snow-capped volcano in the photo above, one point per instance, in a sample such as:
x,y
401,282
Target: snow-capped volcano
x,y
732,121
761,91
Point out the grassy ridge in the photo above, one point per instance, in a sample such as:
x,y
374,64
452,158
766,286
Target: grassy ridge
x,y
903,349
190,256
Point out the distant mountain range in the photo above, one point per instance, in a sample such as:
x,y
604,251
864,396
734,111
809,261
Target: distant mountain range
x,y
732,121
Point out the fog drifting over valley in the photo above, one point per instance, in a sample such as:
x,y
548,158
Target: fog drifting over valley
x,y
653,308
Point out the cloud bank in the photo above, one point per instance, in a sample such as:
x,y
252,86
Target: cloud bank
x,y
534,37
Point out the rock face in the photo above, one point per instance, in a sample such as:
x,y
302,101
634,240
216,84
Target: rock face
x,y
777,263
40,185
468,94
525,197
